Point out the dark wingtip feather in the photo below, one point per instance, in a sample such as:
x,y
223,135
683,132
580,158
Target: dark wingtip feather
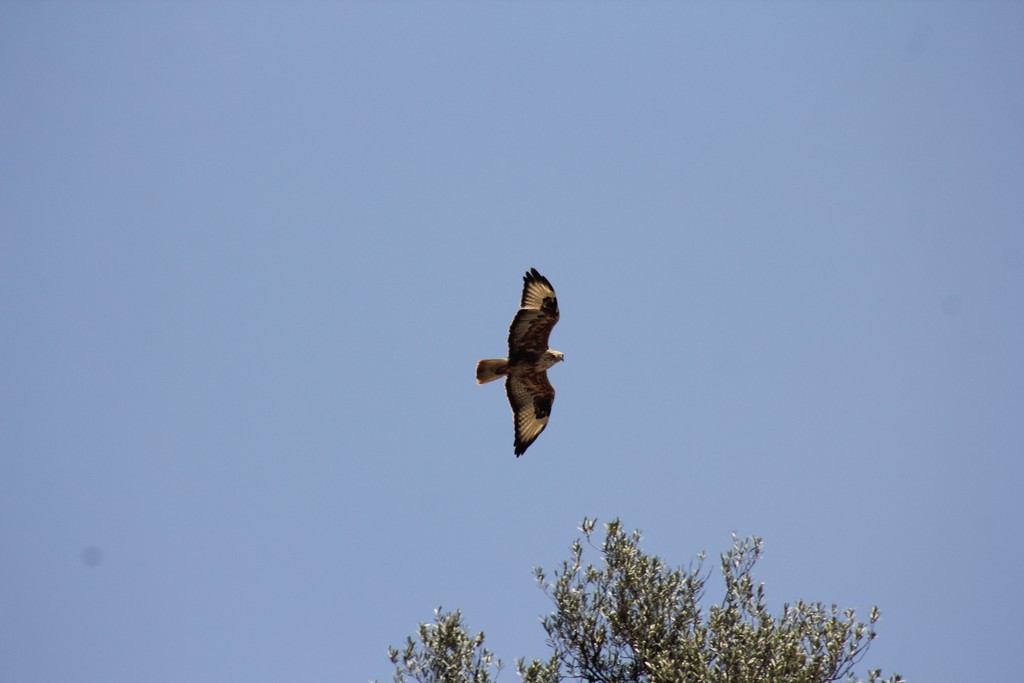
x,y
521,445
533,275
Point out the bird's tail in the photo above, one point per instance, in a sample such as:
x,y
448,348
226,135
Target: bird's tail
x,y
490,370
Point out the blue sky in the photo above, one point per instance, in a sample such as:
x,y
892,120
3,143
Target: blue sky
x,y
251,252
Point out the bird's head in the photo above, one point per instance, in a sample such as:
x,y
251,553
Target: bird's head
x,y
549,359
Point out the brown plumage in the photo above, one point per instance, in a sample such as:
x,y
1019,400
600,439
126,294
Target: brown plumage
x,y
529,391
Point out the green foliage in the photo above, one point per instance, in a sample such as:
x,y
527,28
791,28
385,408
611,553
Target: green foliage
x,y
632,619
445,653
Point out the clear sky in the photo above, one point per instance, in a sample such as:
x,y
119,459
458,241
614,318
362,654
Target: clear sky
x,y
250,253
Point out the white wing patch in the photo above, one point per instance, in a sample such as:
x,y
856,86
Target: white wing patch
x,y
534,294
529,428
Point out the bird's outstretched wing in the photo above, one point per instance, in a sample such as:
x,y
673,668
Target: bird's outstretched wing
x,y
536,317
531,396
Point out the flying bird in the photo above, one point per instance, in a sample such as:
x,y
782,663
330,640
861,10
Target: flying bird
x,y
525,369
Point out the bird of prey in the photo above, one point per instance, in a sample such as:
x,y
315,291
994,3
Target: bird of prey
x,y
525,369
